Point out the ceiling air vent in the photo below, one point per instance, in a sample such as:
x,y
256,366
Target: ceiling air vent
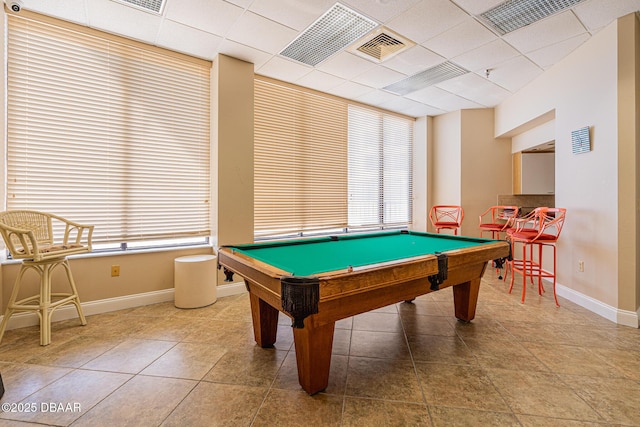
x,y
332,32
514,14
154,6
429,77
381,45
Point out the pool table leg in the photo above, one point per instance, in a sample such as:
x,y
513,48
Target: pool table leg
x,y
313,354
465,298
265,321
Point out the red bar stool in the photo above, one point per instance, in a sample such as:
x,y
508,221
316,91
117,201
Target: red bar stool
x,y
542,229
497,219
526,224
446,217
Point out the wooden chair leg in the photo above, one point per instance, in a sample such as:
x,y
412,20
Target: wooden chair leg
x,y
12,300
46,302
74,291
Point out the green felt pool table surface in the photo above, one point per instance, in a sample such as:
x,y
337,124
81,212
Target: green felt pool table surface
x,y
307,257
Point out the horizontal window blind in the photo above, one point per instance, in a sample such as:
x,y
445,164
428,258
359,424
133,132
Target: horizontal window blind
x,y
365,168
380,169
323,164
300,161
105,132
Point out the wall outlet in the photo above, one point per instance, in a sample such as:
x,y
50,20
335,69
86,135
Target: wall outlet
x,y
581,266
115,270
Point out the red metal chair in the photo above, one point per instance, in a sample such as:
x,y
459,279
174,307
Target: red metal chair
x,y
497,219
542,230
526,224
446,217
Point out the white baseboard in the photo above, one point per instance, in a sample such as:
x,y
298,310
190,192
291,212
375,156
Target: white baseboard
x,y
621,317
229,289
22,320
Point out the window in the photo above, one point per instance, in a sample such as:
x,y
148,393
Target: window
x,y
300,153
325,166
107,131
380,169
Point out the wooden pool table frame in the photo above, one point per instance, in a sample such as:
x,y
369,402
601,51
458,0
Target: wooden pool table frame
x,y
345,293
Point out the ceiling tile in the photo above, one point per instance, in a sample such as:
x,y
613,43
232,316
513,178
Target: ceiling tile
x,y
546,32
69,10
462,38
486,56
596,14
399,103
379,77
380,10
414,60
547,56
376,97
257,30
421,110
457,85
213,16
476,7
440,98
427,19
283,69
319,81
121,19
245,53
345,65
261,33
515,73
242,3
189,40
351,90
296,14
476,88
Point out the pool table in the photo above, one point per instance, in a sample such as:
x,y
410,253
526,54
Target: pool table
x,y
317,281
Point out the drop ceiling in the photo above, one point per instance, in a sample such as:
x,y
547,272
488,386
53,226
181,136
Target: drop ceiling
x,y
444,31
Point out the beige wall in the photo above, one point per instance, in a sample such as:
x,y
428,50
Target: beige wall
x,y
139,273
445,162
232,152
541,134
628,155
470,166
486,167
583,90
420,213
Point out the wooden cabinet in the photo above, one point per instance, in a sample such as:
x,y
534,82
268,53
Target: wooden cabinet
x,y
534,173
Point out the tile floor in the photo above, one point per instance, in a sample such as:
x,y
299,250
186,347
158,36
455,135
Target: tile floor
x,y
402,365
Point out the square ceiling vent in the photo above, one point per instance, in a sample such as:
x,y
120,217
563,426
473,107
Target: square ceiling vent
x,y
154,6
429,77
381,45
332,32
514,14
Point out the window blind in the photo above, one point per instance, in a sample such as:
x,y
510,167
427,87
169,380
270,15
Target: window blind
x,y
380,169
104,131
300,161
324,164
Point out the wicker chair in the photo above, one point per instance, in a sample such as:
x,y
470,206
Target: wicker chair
x,y
29,236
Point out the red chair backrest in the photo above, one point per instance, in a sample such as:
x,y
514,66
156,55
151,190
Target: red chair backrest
x,y
446,213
